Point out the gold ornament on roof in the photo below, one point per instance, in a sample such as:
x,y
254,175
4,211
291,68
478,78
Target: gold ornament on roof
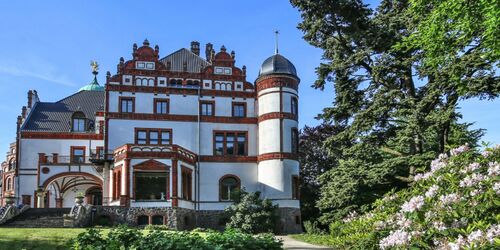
x,y
95,67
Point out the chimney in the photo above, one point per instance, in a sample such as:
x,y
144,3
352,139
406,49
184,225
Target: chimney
x,y
30,98
23,112
35,95
208,51
195,47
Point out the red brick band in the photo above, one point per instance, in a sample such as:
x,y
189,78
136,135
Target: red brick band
x,y
61,135
277,156
166,90
277,115
181,118
276,82
217,158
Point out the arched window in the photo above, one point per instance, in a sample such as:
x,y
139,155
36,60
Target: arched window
x,y
78,122
12,164
229,185
138,81
151,82
9,183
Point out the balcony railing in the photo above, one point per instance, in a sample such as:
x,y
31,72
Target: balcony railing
x,y
96,157
137,149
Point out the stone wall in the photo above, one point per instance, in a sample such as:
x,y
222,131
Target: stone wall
x,y
186,219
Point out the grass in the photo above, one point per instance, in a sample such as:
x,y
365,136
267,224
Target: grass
x,y
315,239
37,238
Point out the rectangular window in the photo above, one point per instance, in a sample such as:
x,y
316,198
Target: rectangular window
x,y
295,141
207,108
150,185
230,143
127,104
239,109
78,125
295,106
153,136
187,183
99,153
295,187
161,106
77,154
142,137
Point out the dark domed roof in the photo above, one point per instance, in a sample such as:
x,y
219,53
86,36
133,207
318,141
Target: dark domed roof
x,y
277,64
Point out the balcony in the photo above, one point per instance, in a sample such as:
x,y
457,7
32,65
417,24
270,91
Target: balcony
x,y
96,157
99,157
156,151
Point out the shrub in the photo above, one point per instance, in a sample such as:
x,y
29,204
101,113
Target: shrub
x,y
311,227
123,238
156,227
455,205
250,214
91,239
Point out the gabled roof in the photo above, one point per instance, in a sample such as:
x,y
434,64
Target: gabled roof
x,y
194,62
56,116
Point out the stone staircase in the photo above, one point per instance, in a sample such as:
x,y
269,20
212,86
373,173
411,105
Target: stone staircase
x,y
39,217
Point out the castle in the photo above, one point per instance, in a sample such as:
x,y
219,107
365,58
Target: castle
x,y
165,141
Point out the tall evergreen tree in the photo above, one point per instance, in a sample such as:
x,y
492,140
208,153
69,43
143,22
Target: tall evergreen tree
x,y
394,112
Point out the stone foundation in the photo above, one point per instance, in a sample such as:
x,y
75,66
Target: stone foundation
x,y
186,219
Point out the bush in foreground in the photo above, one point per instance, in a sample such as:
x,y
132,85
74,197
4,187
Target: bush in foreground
x,y
455,205
130,238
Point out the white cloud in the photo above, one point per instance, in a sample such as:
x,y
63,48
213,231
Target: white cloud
x,y
39,70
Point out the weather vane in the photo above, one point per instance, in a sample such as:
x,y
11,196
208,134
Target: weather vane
x,y
276,32
95,67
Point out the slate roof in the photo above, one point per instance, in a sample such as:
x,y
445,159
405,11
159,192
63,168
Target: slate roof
x,y
277,64
56,116
194,62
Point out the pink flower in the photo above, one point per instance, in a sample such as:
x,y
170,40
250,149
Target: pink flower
x,y
413,204
460,150
493,169
432,191
472,180
485,154
492,233
449,199
395,238
496,187
471,168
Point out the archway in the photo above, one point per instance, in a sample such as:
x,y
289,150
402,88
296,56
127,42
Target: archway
x,y
61,189
94,196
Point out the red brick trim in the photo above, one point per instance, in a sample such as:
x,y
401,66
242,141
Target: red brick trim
x,y
147,130
151,165
121,98
277,81
60,136
182,118
155,107
276,92
213,158
277,156
73,148
209,103
277,115
169,91
244,109
175,201
235,142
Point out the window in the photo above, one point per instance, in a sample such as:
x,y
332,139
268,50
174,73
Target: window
x,y
187,180
239,109
141,137
157,220
153,136
78,122
142,220
228,187
295,141
150,185
12,165
77,154
230,143
295,106
207,108
127,104
161,106
99,152
295,187
117,186
9,183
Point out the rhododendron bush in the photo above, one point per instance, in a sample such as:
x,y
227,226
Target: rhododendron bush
x,y
453,205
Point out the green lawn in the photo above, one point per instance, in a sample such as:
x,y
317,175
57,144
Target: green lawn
x,y
37,238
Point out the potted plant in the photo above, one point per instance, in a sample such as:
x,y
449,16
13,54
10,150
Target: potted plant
x,y
79,198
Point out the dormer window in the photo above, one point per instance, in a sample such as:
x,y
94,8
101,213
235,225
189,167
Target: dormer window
x,y
223,71
78,122
145,65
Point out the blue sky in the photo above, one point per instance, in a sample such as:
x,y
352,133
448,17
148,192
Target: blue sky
x,y
48,45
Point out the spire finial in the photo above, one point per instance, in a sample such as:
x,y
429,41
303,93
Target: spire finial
x,y
276,32
95,70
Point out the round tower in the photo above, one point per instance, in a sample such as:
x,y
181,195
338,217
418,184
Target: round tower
x,y
278,166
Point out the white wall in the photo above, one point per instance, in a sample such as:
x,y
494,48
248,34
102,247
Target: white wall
x,y
275,177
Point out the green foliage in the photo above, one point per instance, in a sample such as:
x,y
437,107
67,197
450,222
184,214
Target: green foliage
x,y
311,227
251,214
455,205
157,227
123,238
392,112
314,160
